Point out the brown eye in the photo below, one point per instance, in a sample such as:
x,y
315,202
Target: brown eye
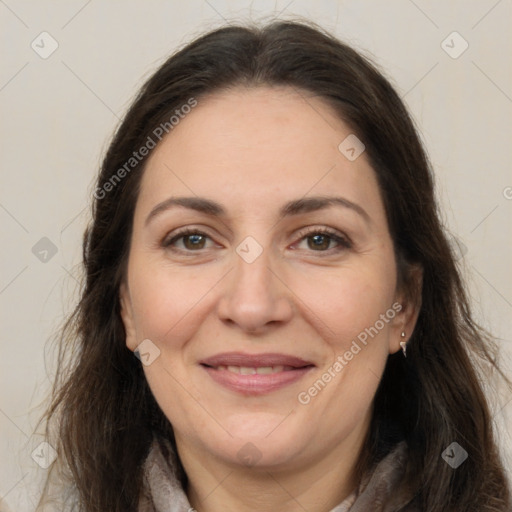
x,y
319,242
188,241
195,241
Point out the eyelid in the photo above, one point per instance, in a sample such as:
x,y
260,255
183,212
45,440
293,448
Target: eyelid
x,y
182,232
344,242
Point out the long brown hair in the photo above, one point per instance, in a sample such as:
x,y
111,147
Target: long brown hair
x,y
102,409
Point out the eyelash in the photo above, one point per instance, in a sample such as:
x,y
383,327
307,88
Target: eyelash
x,y
343,242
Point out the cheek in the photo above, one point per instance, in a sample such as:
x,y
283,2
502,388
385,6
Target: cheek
x,y
354,311
170,305
169,302
343,304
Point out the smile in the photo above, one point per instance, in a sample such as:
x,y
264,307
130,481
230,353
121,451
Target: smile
x,y
260,370
256,374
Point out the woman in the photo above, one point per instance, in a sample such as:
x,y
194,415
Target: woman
x,y
272,317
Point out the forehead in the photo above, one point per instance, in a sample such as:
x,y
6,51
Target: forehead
x,y
251,145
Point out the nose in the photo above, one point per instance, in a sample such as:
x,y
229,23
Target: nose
x,y
254,295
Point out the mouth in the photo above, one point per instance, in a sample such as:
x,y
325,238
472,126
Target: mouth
x,y
255,374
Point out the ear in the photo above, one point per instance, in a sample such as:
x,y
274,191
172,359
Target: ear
x,y
127,316
409,299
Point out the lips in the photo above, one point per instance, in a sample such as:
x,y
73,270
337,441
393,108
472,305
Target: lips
x,y
255,360
255,374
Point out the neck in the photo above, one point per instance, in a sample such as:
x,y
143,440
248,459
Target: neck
x,y
318,486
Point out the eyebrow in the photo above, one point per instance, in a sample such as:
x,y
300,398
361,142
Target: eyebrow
x,y
296,207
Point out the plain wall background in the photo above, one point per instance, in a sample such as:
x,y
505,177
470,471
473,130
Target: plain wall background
x,y
58,114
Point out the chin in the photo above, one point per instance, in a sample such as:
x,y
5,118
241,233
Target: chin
x,y
261,440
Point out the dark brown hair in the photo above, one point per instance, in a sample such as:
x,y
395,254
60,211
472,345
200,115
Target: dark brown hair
x,y
103,410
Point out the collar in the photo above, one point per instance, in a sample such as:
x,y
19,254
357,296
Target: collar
x,y
379,491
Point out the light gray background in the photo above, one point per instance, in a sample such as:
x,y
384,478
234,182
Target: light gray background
x,y
58,114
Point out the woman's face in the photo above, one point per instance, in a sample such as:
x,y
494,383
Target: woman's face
x,y
262,272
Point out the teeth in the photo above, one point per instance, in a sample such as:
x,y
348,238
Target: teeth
x,y
262,370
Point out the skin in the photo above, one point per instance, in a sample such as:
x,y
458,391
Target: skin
x,y
252,151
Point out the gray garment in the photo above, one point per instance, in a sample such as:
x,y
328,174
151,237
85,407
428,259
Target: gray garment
x,y
379,491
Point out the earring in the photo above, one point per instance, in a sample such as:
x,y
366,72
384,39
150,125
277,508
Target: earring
x,y
403,344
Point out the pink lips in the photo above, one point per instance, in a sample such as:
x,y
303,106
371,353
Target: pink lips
x,y
255,374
